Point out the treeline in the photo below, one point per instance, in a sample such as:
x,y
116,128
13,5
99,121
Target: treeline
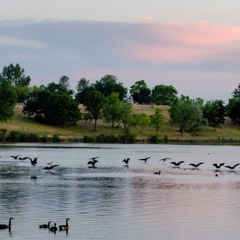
x,y
107,99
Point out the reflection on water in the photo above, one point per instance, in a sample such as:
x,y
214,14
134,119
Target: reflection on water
x,y
117,202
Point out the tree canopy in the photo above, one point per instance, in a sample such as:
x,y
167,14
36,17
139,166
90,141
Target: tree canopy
x,y
15,75
7,100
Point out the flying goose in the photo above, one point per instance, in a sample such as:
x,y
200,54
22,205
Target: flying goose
x,y
144,159
126,160
196,165
177,164
232,167
33,161
218,166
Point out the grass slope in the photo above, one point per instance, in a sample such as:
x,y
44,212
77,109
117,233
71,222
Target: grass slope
x,y
22,123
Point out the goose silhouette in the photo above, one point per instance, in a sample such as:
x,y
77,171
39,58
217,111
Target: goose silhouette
x,y
64,227
50,167
232,167
33,161
15,157
5,226
196,165
158,173
45,225
164,159
126,160
218,166
144,159
53,228
177,164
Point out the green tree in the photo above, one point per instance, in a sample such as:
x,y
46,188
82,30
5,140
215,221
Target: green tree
x,y
186,113
157,119
94,106
112,109
140,92
214,113
109,84
236,92
36,102
60,108
7,100
15,75
163,95
125,116
233,110
83,88
140,119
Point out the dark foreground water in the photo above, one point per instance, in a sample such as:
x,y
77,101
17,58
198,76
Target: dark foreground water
x,y
117,202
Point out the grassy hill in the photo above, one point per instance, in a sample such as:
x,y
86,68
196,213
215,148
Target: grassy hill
x,y
21,123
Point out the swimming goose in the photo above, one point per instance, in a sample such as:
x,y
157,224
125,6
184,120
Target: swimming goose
x,y
45,225
5,226
64,227
157,173
53,228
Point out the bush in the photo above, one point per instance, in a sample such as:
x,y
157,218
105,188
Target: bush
x,y
88,139
127,138
153,139
14,136
3,134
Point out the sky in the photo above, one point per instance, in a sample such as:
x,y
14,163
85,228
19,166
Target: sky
x,y
191,45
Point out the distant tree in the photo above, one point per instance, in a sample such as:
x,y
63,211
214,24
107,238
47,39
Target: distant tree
x,y
214,113
94,106
7,100
109,84
125,116
163,95
236,92
35,104
140,119
62,86
233,110
157,119
186,113
60,109
140,92
112,109
83,88
15,75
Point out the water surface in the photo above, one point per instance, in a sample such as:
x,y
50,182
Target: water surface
x,y
113,201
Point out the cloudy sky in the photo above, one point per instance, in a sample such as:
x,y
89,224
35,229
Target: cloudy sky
x,y
192,45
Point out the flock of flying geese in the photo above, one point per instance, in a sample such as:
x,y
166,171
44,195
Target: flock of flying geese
x,y
93,161
34,162
54,228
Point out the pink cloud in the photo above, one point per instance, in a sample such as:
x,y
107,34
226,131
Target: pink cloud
x,y
183,42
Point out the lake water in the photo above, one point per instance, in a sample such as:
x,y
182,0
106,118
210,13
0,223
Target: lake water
x,y
114,202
